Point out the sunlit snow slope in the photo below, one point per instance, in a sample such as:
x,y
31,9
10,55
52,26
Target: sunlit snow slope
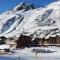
x,y
24,19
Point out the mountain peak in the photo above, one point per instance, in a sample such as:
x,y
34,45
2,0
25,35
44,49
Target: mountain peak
x,y
24,6
39,23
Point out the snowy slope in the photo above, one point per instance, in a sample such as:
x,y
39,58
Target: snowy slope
x,y
22,53
23,19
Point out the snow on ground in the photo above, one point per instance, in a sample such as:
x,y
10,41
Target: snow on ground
x,y
4,46
28,54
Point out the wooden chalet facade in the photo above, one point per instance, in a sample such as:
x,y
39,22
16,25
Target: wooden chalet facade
x,y
26,41
23,41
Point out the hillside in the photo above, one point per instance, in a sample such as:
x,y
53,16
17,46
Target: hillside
x,y
28,20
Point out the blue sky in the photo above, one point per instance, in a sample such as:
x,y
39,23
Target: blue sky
x,y
8,4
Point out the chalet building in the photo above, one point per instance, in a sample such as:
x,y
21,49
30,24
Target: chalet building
x,y
26,41
54,40
51,40
4,49
36,41
11,41
23,41
58,40
2,40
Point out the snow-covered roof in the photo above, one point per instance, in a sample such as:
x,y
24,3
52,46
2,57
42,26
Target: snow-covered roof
x,y
4,46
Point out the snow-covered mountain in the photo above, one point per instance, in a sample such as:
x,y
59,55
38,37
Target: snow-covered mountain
x,y
24,19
